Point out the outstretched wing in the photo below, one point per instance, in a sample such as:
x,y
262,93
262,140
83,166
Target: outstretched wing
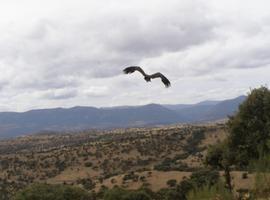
x,y
166,81
132,69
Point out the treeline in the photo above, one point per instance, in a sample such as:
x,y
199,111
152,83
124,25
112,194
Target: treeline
x,y
175,191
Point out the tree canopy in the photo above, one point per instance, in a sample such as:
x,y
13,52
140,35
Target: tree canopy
x,y
249,135
249,128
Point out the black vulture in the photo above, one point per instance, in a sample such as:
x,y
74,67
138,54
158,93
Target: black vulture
x,y
147,77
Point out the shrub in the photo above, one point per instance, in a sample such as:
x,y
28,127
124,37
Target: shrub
x,y
204,177
244,175
262,178
206,192
115,194
88,164
87,183
49,192
171,183
138,195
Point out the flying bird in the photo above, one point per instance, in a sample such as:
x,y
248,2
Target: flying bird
x,y
147,77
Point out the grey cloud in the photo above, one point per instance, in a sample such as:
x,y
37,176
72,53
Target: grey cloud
x,y
102,46
3,84
38,81
80,53
96,91
157,37
60,94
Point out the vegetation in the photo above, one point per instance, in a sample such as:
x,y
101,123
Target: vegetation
x,y
110,158
172,183
262,179
206,192
249,134
168,163
175,191
49,192
120,194
220,157
250,128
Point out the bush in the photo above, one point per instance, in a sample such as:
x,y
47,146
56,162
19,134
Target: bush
x,y
216,191
49,192
204,177
88,164
244,175
169,164
131,176
121,194
87,183
262,178
170,194
140,195
115,194
171,183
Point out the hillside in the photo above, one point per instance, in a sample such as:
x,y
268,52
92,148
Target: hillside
x,y
129,158
152,155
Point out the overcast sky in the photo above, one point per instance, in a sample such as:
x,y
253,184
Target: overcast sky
x,y
57,53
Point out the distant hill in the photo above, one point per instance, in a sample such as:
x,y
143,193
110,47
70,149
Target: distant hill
x,y
79,118
207,110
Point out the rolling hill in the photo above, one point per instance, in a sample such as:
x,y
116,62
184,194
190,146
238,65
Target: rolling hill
x,y
79,118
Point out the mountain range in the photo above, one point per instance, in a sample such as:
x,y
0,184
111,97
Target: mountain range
x,y
81,118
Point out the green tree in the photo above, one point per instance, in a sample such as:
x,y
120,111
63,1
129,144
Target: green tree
x,y
116,193
219,157
170,194
137,195
204,177
250,128
249,135
120,194
49,192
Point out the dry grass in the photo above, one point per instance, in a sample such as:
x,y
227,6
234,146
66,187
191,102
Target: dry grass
x,y
62,158
240,183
